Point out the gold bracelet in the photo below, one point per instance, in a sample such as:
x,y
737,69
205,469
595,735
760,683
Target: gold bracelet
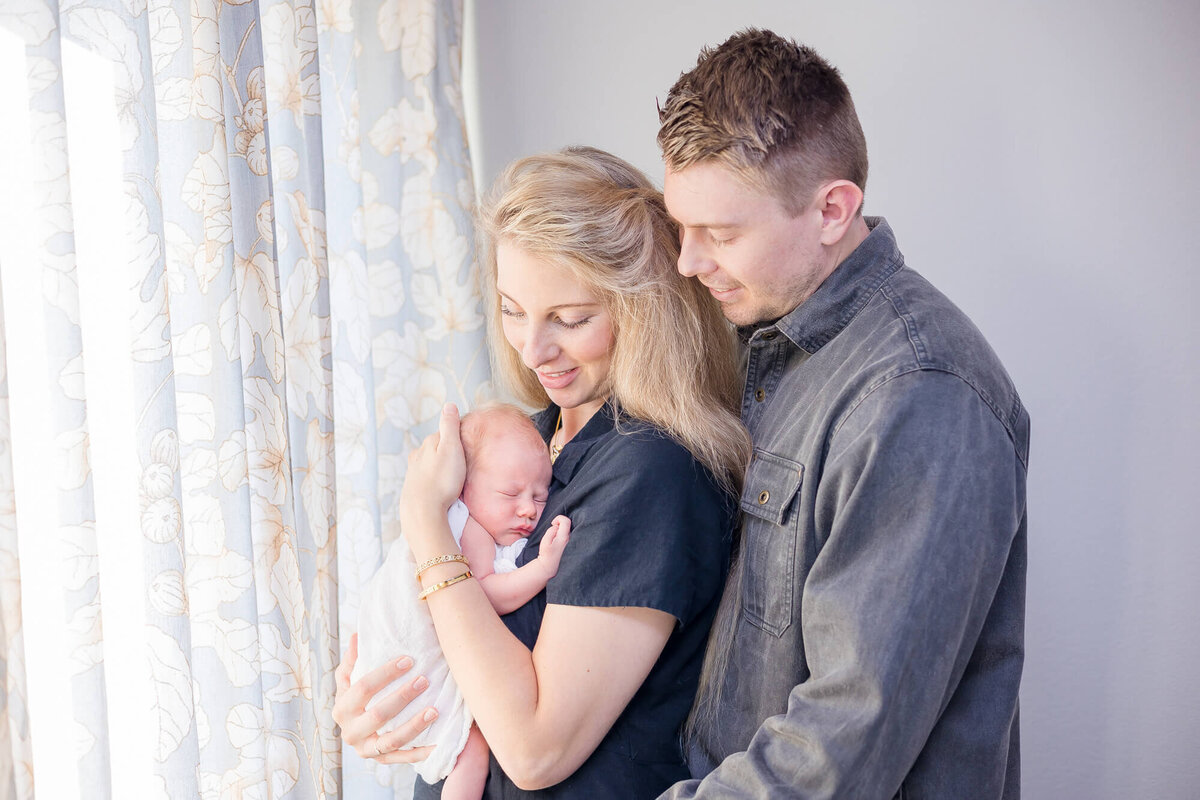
x,y
446,559
456,579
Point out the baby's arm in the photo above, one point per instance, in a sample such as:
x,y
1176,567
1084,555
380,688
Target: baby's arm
x,y
509,591
468,778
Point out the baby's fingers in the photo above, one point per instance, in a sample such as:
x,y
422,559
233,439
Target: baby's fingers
x,y
561,528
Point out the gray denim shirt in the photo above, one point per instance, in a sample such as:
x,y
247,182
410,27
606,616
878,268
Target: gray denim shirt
x,y
879,634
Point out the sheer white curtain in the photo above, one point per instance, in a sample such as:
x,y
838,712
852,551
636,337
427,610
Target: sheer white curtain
x,y
237,285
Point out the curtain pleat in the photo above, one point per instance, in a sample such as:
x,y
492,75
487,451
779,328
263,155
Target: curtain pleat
x,y
87,744
16,772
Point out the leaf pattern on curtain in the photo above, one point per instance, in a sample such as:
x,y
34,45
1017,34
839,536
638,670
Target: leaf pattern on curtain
x,y
296,212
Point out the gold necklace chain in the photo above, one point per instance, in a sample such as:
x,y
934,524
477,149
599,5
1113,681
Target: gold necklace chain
x,y
555,448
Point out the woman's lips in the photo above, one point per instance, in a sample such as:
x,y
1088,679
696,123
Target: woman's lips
x,y
558,379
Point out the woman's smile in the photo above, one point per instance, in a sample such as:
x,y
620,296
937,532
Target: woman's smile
x,y
557,380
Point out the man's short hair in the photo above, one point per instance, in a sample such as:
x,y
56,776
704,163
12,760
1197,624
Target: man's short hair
x,y
773,111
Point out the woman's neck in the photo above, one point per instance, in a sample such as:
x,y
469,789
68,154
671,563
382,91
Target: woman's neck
x,y
573,419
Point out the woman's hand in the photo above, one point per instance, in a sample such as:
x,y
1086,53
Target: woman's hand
x,y
434,480
359,724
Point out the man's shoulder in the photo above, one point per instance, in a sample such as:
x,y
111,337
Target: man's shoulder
x,y
910,326
902,326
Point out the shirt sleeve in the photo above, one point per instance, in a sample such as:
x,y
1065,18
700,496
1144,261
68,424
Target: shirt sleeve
x,y
919,501
649,528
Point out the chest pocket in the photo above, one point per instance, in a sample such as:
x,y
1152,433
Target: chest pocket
x,y
769,504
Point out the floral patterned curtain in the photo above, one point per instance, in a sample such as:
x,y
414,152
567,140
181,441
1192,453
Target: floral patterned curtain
x,y
282,297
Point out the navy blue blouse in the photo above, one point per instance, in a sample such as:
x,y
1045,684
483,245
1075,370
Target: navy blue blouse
x,y
650,528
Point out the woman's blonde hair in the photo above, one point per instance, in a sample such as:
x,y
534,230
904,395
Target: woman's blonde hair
x,y
673,356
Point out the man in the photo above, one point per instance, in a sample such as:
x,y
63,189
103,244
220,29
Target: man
x,y
870,641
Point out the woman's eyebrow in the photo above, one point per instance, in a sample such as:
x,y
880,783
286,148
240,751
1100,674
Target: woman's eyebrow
x,y
555,307
572,305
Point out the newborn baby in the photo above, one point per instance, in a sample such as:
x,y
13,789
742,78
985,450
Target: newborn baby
x,y
507,481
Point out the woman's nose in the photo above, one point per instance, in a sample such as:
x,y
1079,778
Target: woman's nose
x,y
538,348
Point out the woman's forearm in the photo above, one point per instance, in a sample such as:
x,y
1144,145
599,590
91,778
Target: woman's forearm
x,y
496,674
492,667
542,712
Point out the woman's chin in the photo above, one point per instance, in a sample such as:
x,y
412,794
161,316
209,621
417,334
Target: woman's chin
x,y
571,399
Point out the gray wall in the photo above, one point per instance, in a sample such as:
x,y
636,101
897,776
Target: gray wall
x,y
1039,164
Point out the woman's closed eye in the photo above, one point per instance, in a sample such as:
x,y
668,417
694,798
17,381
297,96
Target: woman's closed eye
x,y
572,324
569,324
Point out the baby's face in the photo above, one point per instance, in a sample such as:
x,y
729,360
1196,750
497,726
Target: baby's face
x,y
506,487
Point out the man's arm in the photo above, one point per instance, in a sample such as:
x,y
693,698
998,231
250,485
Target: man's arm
x,y
918,502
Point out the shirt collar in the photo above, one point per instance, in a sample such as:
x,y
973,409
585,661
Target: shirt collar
x,y
576,450
816,321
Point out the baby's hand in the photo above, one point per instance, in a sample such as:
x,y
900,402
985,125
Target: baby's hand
x,y
553,544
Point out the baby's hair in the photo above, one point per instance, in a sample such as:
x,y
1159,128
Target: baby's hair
x,y
479,426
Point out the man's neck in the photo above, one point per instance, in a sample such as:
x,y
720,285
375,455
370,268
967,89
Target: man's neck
x,y
840,251
857,232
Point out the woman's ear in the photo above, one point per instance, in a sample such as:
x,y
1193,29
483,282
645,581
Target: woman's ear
x,y
840,202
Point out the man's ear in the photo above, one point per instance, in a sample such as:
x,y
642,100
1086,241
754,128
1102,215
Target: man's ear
x,y
839,202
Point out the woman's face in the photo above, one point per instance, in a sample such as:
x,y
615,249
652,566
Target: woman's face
x,y
558,326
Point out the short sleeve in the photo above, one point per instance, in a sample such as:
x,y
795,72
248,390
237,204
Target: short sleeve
x,y
649,528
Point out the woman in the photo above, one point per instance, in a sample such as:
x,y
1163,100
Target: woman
x,y
582,692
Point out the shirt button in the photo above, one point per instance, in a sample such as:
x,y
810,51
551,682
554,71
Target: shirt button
x,y
769,336
759,394
763,497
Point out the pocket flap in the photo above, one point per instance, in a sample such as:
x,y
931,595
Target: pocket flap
x,y
771,485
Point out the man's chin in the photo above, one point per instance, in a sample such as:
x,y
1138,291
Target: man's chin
x,y
740,314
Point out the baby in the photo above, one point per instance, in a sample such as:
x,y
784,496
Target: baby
x,y
508,478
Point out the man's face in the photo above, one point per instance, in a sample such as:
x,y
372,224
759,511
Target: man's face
x,y
759,261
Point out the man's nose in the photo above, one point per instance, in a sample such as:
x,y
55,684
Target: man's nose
x,y
692,258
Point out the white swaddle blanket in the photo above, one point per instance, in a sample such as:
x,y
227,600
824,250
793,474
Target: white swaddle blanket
x,y
392,623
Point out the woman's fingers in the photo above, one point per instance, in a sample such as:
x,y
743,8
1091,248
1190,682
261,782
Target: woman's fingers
x,y
402,735
404,756
366,742
437,468
448,428
428,446
370,684
359,722
346,667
